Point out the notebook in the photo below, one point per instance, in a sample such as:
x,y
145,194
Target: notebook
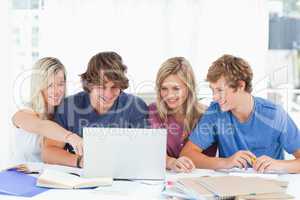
x,y
62,180
219,187
18,184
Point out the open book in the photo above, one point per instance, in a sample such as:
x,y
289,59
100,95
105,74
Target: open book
x,y
56,179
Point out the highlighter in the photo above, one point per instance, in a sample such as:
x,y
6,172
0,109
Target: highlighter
x,y
253,160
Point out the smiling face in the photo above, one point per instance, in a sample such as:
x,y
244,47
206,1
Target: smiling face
x,y
103,96
55,90
173,92
227,97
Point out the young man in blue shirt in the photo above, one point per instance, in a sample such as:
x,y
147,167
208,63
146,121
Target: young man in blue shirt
x,y
249,131
102,104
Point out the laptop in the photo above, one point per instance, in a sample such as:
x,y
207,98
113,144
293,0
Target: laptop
x,y
125,153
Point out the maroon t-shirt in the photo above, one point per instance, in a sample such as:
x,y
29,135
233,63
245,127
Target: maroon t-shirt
x,y
175,139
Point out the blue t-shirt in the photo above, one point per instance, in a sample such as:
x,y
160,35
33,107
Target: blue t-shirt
x,y
268,131
76,112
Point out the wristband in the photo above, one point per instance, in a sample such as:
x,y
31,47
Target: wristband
x,y
79,158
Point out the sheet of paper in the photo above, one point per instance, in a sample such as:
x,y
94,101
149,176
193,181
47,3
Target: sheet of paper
x,y
132,189
249,171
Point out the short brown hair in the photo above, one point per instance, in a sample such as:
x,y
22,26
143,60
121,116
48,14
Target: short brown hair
x,y
233,69
103,67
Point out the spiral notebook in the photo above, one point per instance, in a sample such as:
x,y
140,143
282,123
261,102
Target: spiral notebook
x,y
229,187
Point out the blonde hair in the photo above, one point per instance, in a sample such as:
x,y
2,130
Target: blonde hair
x,y
192,109
42,71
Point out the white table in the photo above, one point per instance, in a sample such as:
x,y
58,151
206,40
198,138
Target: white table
x,y
139,190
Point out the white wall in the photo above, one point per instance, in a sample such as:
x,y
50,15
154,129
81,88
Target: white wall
x,y
145,33
6,80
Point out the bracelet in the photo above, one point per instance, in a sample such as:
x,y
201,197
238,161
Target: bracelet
x,y
79,158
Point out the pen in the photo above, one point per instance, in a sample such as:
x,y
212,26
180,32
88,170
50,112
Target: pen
x,y
72,173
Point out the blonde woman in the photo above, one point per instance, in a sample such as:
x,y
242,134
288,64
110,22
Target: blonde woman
x,y
48,85
177,109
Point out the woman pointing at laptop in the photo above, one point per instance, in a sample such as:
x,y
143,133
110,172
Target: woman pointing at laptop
x,y
35,120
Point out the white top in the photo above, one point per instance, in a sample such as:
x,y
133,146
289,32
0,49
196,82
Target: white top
x,y
27,147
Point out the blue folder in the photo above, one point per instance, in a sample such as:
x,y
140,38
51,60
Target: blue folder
x,y
17,183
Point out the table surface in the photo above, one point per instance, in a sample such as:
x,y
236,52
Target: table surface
x,y
143,189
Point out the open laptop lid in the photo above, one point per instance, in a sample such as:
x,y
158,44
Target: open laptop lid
x,y
124,153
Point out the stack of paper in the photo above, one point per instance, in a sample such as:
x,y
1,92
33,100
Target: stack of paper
x,y
228,187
